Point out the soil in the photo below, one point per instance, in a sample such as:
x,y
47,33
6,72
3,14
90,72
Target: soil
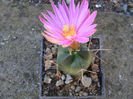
x,y
50,89
118,6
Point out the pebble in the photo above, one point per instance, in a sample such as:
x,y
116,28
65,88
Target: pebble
x,y
120,77
94,67
48,51
131,10
76,94
94,77
98,84
54,50
85,94
75,83
125,8
80,93
47,79
86,81
47,64
5,39
33,29
45,92
109,92
68,79
98,5
78,88
70,94
2,43
63,77
115,1
130,5
58,88
68,1
73,87
50,56
59,83
55,46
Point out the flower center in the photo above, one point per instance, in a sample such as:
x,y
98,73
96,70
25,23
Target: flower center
x,y
68,30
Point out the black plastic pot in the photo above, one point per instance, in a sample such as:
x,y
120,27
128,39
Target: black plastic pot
x,y
42,72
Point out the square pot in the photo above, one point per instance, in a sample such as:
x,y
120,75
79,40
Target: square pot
x,y
42,74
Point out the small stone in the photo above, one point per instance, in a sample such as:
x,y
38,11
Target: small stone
x,y
75,83
13,38
114,1
45,92
63,77
68,79
98,5
54,50
109,92
59,83
58,88
131,10
33,29
70,94
48,51
94,67
47,79
47,64
98,84
130,5
5,39
86,81
92,88
55,46
73,87
80,93
78,88
94,77
52,76
50,56
68,1
2,43
85,94
125,8
76,94
120,77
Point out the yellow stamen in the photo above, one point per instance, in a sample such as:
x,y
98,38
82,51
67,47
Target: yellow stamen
x,y
68,30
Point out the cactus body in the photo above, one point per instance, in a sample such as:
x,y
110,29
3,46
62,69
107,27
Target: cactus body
x,y
72,64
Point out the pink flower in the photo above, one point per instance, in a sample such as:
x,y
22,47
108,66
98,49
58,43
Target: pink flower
x,y
68,25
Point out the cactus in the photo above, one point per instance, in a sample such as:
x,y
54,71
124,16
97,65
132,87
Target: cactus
x,y
69,27
76,61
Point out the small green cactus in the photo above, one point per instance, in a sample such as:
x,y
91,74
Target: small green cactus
x,y
76,61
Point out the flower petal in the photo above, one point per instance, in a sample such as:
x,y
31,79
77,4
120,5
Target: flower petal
x,y
51,39
63,12
51,21
83,12
82,39
53,31
57,21
57,13
43,21
91,18
86,28
54,35
87,34
65,7
66,43
72,11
